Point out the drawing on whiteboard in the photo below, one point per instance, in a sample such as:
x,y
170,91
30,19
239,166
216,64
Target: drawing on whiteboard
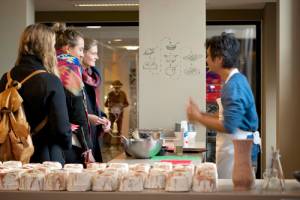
x,y
170,59
171,45
171,69
191,67
150,63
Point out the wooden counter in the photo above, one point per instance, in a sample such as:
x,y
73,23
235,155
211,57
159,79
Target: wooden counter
x,y
225,192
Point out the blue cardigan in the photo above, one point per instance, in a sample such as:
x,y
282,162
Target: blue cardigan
x,y
239,105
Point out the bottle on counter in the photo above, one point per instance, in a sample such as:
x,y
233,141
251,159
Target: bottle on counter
x,y
178,143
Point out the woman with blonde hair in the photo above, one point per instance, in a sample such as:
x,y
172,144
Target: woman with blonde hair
x,y
92,80
43,94
69,48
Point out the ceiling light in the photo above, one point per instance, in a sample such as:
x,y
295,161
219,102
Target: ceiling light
x,y
106,4
131,48
93,26
117,40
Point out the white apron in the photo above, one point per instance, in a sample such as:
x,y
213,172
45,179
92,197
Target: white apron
x,y
225,151
224,147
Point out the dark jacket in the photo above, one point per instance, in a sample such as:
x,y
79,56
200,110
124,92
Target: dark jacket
x,y
93,109
77,115
43,96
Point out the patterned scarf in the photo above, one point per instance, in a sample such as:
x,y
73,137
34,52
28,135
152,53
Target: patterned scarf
x,y
70,72
91,77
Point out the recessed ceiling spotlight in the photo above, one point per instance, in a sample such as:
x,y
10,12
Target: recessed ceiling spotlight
x,y
117,40
93,26
106,4
131,48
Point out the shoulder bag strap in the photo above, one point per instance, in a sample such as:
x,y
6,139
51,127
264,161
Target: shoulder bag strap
x,y
9,80
32,74
45,120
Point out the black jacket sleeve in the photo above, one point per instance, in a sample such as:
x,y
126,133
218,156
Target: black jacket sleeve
x,y
58,119
78,116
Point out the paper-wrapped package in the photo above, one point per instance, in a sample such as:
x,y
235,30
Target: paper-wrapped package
x,y
205,178
12,164
179,180
56,180
107,181
156,179
32,180
132,182
79,181
9,179
52,165
96,165
73,167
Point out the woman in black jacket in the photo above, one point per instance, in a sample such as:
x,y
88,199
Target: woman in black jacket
x,y
43,95
92,79
69,47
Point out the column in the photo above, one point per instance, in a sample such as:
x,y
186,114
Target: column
x,y
172,61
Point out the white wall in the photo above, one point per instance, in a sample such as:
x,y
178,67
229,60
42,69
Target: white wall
x,y
288,99
172,34
15,15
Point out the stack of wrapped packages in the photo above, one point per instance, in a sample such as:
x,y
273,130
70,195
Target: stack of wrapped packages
x,y
161,176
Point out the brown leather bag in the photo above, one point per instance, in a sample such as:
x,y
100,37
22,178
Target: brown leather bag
x,y
15,137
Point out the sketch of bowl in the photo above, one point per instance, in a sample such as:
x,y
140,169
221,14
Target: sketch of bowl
x,y
149,51
171,45
150,65
192,57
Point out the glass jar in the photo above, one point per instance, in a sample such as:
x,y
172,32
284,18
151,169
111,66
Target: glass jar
x,y
271,180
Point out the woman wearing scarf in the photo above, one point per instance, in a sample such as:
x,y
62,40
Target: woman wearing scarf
x,y
69,46
91,78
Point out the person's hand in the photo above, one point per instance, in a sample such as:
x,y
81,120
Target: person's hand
x,y
94,119
106,124
193,112
88,156
74,127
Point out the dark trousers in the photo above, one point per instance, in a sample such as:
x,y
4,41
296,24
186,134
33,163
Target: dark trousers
x,y
51,152
74,155
96,140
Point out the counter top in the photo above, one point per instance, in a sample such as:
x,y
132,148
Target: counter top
x,y
122,158
225,191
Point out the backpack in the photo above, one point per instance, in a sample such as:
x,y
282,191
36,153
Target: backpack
x,y
15,133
